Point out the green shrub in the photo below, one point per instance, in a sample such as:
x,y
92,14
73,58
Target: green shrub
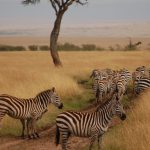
x,y
67,47
33,47
44,48
89,47
11,48
20,48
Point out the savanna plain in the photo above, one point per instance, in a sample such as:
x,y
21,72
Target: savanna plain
x,y
24,74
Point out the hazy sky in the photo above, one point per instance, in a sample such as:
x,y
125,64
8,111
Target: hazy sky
x,y
13,14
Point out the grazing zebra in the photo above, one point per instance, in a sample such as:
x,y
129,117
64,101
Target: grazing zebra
x,y
141,85
28,110
88,124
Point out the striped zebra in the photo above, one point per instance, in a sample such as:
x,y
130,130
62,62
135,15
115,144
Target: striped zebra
x,y
95,73
99,76
141,69
88,124
141,85
104,88
122,86
29,110
124,72
136,75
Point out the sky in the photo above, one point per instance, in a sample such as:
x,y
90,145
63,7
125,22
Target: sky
x,y
14,14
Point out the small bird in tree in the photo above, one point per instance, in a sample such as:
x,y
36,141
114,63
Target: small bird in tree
x,y
60,7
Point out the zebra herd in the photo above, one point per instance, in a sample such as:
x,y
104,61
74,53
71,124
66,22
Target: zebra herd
x,y
109,86
106,81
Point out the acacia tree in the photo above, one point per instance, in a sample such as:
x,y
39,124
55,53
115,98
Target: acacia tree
x,y
60,7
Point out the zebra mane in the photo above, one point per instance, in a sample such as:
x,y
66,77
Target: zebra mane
x,y
43,93
103,104
42,96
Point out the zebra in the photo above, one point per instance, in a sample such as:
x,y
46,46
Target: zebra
x,y
104,88
29,110
98,76
124,72
141,69
122,86
141,85
95,73
88,124
136,75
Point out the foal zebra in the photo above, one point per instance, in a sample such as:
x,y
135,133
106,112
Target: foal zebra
x,y
29,110
88,124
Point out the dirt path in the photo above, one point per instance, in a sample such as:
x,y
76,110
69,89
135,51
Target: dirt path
x,y
45,142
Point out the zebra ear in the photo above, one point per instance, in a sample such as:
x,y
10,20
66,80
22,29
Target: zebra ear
x,y
53,89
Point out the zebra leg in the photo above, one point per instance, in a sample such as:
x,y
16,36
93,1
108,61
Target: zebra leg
x,y
32,129
99,140
65,137
2,114
29,128
35,134
92,140
23,128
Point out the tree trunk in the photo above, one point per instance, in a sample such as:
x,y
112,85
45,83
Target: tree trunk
x,y
54,39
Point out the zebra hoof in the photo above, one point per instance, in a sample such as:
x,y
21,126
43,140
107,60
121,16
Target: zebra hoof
x,y
29,137
37,135
23,137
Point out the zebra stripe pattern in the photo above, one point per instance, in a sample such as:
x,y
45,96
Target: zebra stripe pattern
x,y
103,90
29,110
88,124
122,86
141,69
124,72
141,85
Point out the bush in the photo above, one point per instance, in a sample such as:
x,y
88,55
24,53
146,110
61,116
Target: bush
x,y
89,47
67,47
44,48
20,48
11,48
33,47
130,47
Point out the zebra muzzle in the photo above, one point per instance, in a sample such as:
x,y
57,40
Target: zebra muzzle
x,y
61,106
123,117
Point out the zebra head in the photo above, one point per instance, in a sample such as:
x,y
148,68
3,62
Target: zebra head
x,y
55,99
118,108
95,73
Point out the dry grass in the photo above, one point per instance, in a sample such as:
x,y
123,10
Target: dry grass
x,y
134,133
24,74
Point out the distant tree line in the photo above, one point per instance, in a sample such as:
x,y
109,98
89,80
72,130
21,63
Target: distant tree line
x,y
71,47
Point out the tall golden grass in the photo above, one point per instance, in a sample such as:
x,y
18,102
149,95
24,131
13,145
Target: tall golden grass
x,y
24,74
134,133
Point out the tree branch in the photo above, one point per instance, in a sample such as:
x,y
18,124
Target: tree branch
x,y
82,3
30,1
54,6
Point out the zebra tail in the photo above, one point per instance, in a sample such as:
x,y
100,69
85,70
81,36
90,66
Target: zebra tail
x,y
57,139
